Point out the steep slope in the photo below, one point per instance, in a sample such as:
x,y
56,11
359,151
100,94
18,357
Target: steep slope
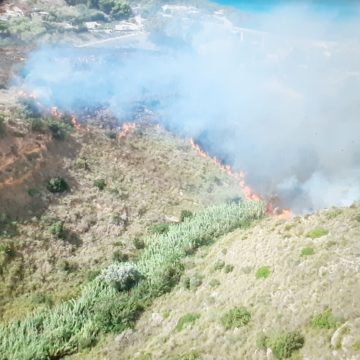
x,y
308,282
58,240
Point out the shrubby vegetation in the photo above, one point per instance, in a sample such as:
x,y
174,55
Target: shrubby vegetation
x,y
103,307
283,345
236,317
186,321
263,272
57,185
2,126
159,229
316,233
100,184
307,251
121,276
325,320
8,228
117,9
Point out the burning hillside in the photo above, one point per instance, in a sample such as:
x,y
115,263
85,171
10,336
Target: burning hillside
x,y
268,110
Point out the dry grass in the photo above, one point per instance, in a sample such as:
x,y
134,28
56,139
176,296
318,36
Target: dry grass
x,y
298,290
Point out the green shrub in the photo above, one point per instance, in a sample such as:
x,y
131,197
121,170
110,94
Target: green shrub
x,y
41,298
31,109
186,321
214,283
92,275
263,272
332,214
81,164
284,345
219,264
8,228
193,355
121,276
117,313
160,228
67,266
316,233
7,252
236,317
139,243
2,126
58,230
192,282
261,342
119,256
38,125
32,192
57,185
307,251
100,184
117,9
58,332
58,129
356,345
228,268
185,214
325,320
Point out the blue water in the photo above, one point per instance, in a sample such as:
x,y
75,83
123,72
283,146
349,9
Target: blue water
x,y
342,8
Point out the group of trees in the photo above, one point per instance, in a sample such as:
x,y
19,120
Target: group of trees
x,y
117,9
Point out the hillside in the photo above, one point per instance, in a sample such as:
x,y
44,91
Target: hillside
x,y
121,237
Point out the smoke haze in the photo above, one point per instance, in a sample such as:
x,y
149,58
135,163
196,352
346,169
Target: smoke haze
x,y
282,104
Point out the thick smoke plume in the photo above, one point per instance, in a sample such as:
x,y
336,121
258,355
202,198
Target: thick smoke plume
x,y
282,104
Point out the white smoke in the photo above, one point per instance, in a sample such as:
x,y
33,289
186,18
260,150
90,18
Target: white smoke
x,y
282,104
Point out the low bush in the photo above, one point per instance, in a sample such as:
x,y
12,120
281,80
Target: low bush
x,y
119,256
317,233
100,184
57,185
219,264
139,243
92,275
284,345
236,317
42,299
356,345
58,230
263,272
32,192
38,125
192,282
67,266
325,320
31,108
7,252
58,129
228,268
307,251
117,313
159,229
186,321
214,283
8,228
121,276
2,126
185,214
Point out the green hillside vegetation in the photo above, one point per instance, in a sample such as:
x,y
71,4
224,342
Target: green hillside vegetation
x,y
103,307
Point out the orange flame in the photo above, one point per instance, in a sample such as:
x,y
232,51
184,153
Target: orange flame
x,y
125,129
240,177
75,123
